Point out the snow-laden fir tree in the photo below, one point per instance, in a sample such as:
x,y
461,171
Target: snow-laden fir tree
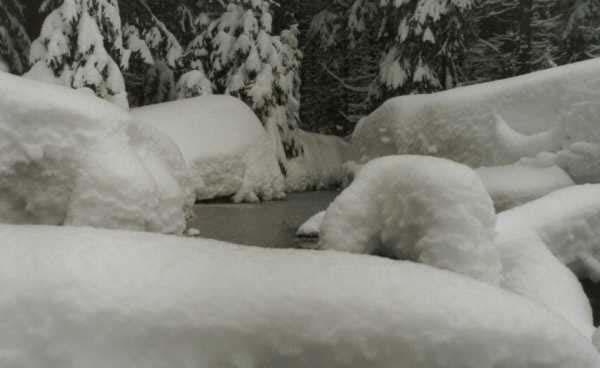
x,y
581,37
14,41
151,79
80,45
241,57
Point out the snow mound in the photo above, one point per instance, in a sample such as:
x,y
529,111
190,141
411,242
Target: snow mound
x,y
567,221
516,184
224,145
320,166
489,124
582,161
431,210
67,157
201,303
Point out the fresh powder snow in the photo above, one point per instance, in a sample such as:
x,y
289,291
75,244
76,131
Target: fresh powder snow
x,y
95,298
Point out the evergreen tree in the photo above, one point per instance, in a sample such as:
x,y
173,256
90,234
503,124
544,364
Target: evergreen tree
x,y
14,41
151,81
241,57
581,38
79,45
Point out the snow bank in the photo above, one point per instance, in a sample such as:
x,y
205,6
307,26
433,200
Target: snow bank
x,y
531,270
320,165
513,185
67,157
224,145
567,221
489,124
431,210
76,299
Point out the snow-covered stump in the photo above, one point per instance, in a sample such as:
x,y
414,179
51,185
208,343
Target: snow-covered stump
x,y
202,303
489,124
67,157
224,145
426,209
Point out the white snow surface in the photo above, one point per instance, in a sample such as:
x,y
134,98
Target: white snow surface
x,y
77,299
321,164
311,227
67,157
516,184
426,209
567,221
489,124
224,145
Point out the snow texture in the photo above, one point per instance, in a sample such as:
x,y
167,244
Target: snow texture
x,y
321,164
224,145
567,221
67,157
516,184
76,299
492,123
426,209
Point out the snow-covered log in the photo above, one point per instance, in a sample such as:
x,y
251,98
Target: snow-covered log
x,y
492,123
96,298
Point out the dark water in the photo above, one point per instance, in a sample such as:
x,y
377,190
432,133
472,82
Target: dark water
x,y
593,292
269,224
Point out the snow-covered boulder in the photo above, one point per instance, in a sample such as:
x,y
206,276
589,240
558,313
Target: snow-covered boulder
x,y
426,209
516,184
320,165
489,124
224,145
567,221
73,297
67,157
310,229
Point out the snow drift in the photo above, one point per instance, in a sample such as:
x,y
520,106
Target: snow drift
x,y
430,210
75,298
516,184
320,166
492,123
67,157
567,221
224,145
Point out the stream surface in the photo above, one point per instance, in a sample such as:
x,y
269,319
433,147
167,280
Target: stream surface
x,y
267,224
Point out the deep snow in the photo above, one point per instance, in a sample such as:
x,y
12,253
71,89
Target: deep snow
x,y
224,144
67,157
96,298
426,209
489,124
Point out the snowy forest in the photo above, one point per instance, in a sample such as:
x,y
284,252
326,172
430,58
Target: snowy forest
x,y
300,183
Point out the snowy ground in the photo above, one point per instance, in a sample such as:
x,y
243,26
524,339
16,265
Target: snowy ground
x,y
123,299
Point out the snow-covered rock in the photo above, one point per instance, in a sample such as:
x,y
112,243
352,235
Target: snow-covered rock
x,y
320,165
310,228
75,298
567,221
426,209
224,145
581,160
516,184
489,124
67,157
